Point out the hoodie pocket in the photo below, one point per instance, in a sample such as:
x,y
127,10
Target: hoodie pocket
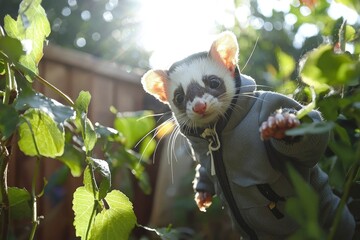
x,y
263,220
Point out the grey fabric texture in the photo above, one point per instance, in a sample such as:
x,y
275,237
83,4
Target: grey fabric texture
x,y
247,164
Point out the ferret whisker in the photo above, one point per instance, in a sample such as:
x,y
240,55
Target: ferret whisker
x,y
251,54
169,145
152,138
249,95
172,150
153,130
235,108
172,119
145,136
164,115
150,115
255,85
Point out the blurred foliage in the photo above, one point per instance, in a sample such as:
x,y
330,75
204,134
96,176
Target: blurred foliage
x,y
285,30
108,29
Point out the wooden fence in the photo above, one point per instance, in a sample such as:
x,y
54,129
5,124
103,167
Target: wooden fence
x,y
109,85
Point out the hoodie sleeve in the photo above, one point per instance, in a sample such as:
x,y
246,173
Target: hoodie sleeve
x,y
307,149
202,181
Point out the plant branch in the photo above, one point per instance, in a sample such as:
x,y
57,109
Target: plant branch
x,y
93,214
9,83
2,33
4,159
56,90
95,191
35,218
350,179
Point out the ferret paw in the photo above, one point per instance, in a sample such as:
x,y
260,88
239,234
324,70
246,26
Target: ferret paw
x,y
277,124
203,200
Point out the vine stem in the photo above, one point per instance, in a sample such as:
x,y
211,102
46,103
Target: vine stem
x,y
9,85
350,179
35,218
22,69
94,189
56,90
4,159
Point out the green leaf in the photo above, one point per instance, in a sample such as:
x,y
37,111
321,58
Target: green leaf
x,y
89,134
84,208
147,147
107,133
131,160
90,137
29,99
337,175
134,126
304,208
82,102
286,63
329,107
11,47
117,221
350,33
73,159
345,152
105,183
323,68
311,128
342,134
50,140
19,200
31,28
9,119
88,181
143,178
2,67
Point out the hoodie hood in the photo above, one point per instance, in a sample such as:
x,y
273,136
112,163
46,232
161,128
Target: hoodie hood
x,y
244,103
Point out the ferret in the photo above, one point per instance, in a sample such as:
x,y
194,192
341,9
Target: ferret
x,y
237,134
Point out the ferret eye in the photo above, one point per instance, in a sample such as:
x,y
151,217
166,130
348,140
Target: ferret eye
x,y
179,98
214,82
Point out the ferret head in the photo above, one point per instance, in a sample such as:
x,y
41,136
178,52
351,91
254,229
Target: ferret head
x,y
199,88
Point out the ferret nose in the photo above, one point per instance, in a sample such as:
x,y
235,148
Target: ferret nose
x,y
199,107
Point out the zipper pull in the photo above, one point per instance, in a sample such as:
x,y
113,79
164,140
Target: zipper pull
x,y
275,211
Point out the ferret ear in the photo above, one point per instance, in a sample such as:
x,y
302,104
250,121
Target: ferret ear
x,y
154,82
225,50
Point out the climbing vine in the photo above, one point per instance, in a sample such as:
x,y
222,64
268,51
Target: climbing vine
x,y
43,128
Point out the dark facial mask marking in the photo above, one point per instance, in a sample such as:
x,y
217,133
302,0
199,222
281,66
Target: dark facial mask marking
x,y
194,90
214,85
179,98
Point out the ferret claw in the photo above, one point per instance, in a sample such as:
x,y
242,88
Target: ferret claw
x,y
277,125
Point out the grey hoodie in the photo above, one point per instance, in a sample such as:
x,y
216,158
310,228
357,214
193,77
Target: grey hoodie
x,y
247,165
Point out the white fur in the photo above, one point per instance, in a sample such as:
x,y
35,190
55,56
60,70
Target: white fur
x,y
194,71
